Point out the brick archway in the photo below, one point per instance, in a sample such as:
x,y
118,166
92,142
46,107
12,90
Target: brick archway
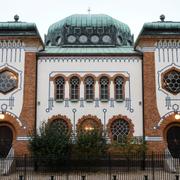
x,y
89,122
61,117
18,130
168,122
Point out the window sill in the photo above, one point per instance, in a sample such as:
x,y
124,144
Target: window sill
x,y
59,100
74,100
119,100
89,100
104,100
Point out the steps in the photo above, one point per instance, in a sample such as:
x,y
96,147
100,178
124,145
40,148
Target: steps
x,y
6,163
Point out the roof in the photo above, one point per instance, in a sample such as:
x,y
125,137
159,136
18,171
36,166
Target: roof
x,y
78,29
89,51
94,20
18,28
160,28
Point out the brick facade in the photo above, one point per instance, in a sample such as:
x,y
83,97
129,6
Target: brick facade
x,y
25,123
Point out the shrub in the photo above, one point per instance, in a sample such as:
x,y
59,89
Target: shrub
x,y
50,141
90,144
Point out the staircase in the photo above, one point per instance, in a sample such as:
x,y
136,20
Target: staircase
x,y
169,162
6,163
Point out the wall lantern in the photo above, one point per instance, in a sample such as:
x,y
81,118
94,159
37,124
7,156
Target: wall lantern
x,y
2,116
177,116
89,128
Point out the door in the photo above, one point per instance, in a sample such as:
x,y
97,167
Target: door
x,y
6,138
173,140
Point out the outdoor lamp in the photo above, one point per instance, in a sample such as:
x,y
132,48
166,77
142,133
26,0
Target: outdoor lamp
x,y
177,116
2,115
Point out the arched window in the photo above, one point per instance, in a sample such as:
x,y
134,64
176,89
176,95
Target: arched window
x,y
118,83
104,88
89,88
60,125
74,88
60,82
119,129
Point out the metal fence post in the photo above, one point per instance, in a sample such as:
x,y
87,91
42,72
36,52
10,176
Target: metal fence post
x,y
114,177
145,177
177,177
20,177
52,178
152,159
83,177
25,164
109,164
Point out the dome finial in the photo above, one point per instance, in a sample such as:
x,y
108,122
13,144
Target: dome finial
x,y
16,18
162,17
89,10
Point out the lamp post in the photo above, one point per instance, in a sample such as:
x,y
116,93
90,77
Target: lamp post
x,y
74,123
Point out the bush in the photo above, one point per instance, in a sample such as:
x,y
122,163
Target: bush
x,y
90,144
129,146
50,141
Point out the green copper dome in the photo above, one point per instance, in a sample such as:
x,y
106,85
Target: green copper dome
x,y
89,30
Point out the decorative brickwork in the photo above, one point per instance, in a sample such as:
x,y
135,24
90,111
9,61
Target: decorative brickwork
x,y
120,117
64,118
89,121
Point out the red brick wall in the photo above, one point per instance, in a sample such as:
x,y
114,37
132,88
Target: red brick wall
x,y
151,114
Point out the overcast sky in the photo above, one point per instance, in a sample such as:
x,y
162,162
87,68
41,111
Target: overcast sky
x,y
132,12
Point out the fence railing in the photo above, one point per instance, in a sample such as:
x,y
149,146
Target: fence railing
x,y
120,167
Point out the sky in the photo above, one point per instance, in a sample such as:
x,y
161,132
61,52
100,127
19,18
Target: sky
x,y
132,12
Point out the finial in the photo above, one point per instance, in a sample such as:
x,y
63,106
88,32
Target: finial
x,y
162,17
16,18
89,10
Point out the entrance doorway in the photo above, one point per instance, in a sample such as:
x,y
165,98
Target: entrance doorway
x,y
6,138
173,140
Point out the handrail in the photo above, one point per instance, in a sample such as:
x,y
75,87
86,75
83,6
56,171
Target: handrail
x,y
7,162
169,161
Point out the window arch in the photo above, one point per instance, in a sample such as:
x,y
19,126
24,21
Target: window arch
x,y
89,123
59,90
118,88
61,125
104,88
74,88
89,88
119,129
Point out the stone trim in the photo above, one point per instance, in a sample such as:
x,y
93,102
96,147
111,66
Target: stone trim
x,y
53,78
116,117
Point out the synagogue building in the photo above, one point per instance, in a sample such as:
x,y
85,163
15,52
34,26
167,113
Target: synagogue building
x,y
89,73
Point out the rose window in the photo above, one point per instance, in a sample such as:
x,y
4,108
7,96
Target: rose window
x,y
8,81
171,81
119,130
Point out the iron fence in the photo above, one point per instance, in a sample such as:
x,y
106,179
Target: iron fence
x,y
120,167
